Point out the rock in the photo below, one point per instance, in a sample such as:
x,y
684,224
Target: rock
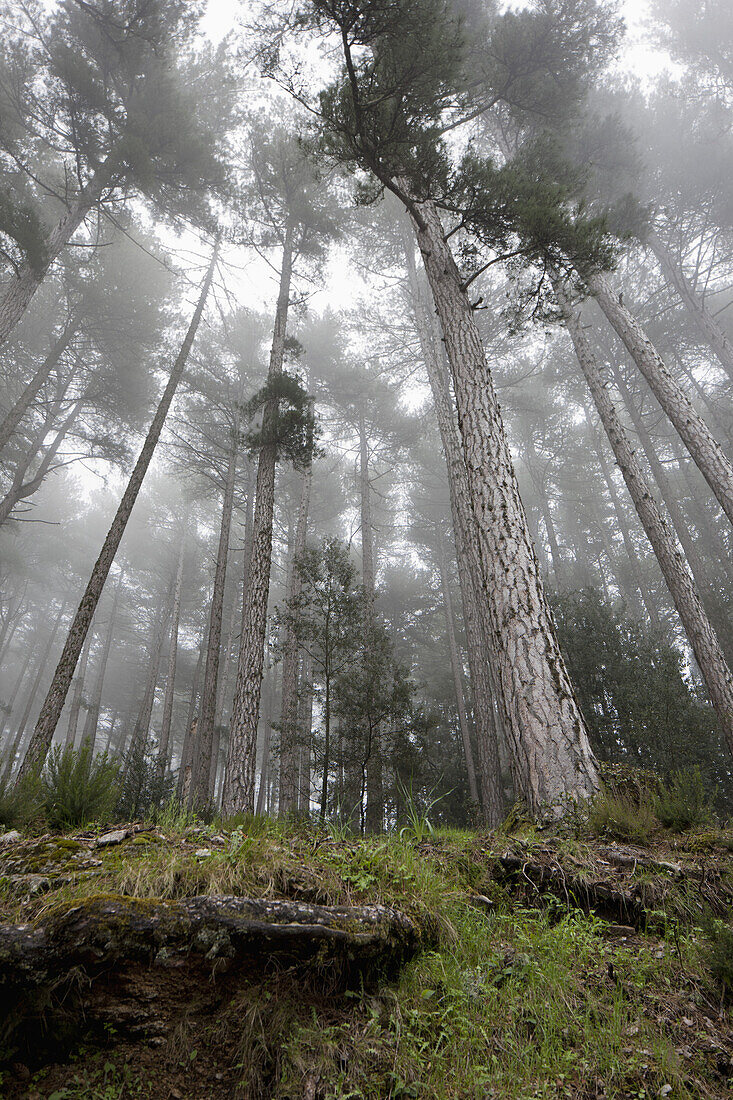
x,y
202,853
115,837
10,838
480,901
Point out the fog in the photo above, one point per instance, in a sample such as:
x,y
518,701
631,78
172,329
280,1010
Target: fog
x,y
365,401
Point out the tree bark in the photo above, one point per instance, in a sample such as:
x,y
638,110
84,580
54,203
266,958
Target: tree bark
x,y
53,705
141,730
457,677
14,415
305,722
479,642
185,766
266,751
239,787
694,432
207,716
289,708
702,638
710,329
78,696
92,719
170,681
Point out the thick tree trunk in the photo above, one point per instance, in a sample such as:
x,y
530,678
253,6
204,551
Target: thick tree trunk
x,y
14,415
207,716
457,677
694,432
17,293
676,573
53,705
481,657
92,719
78,696
289,710
170,681
17,742
549,741
374,794
709,327
239,787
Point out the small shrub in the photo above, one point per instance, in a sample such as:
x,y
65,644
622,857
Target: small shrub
x,y
720,954
683,804
620,817
78,787
143,792
21,804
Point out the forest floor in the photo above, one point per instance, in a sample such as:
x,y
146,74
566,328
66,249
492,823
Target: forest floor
x,y
548,964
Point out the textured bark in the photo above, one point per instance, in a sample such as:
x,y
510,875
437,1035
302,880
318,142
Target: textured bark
x,y
18,739
239,787
457,678
549,741
694,432
54,702
92,719
479,641
289,710
170,680
709,327
634,564
207,716
262,800
189,733
78,694
31,391
700,633
17,293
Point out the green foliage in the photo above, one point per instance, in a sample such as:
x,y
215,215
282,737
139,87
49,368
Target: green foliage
x,y
288,421
417,810
620,817
144,792
78,787
719,954
683,802
20,223
20,803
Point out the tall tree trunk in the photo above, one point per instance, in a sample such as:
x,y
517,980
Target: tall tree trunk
x,y
374,794
305,723
207,716
94,708
634,563
457,677
8,707
709,327
170,681
53,705
289,709
141,729
185,767
700,633
239,787
17,293
694,432
15,748
263,801
78,696
15,414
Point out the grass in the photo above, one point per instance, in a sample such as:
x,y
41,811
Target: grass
x,y
532,1000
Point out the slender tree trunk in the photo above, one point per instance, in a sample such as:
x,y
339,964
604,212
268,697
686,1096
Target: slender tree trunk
x,y
709,327
374,794
170,682
15,749
289,709
263,802
53,705
239,788
305,722
694,432
8,707
78,696
17,293
15,414
700,633
92,719
457,677
207,717
326,745
141,730
185,768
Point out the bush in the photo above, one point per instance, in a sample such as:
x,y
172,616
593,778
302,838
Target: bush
x,y
78,787
720,954
144,792
620,817
683,804
20,804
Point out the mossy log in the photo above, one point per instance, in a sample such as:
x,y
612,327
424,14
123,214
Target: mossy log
x,y
107,953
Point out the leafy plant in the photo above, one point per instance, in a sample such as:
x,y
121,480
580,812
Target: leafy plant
x,y
78,787
419,827
144,791
620,817
19,803
683,803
